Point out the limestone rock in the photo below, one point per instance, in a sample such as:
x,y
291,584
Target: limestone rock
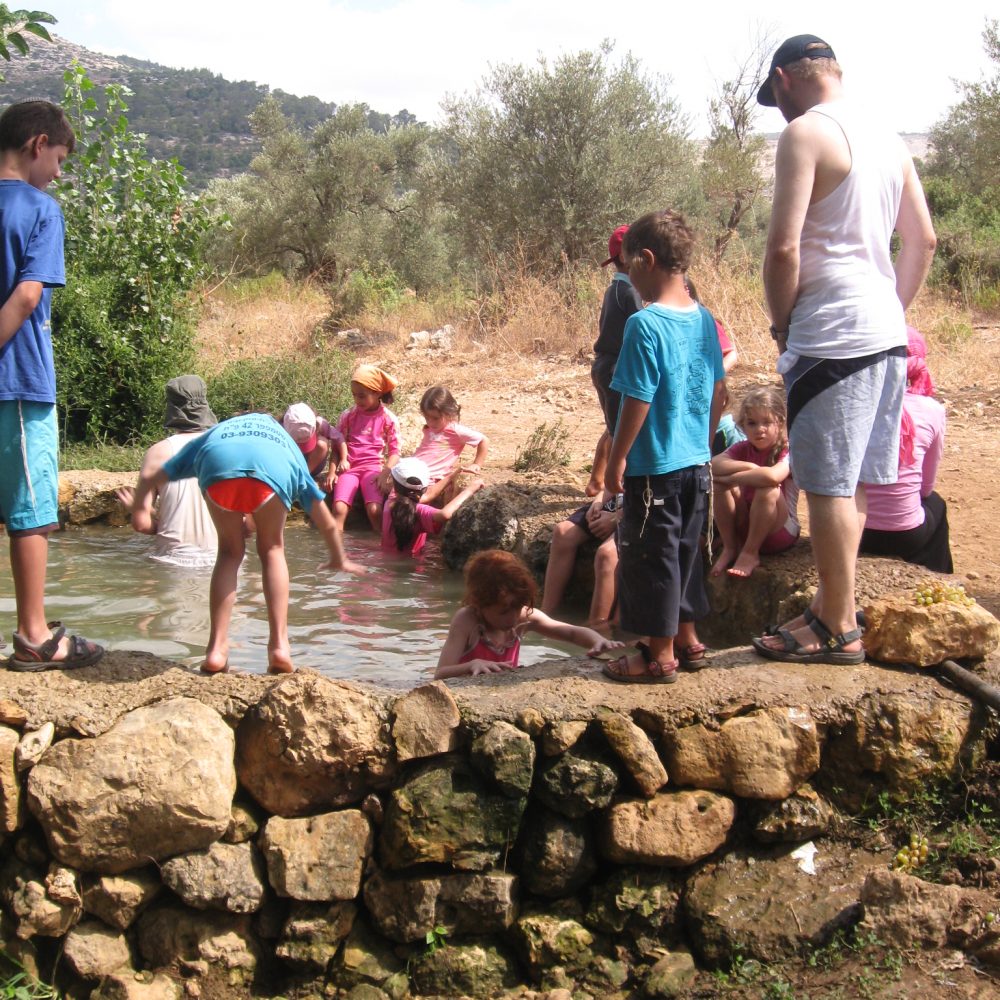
x,y
33,744
575,785
243,825
506,754
544,940
118,899
63,885
159,782
557,856
444,813
636,751
12,714
639,906
313,932
895,743
405,909
93,950
10,784
802,816
126,985
764,906
562,736
671,829
366,956
223,877
766,754
426,722
531,721
26,896
312,744
87,495
906,912
489,520
670,976
901,632
168,934
318,858
463,970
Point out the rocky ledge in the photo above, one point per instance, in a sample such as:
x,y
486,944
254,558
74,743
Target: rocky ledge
x,y
541,830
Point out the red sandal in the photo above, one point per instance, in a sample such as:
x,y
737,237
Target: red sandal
x,y
655,672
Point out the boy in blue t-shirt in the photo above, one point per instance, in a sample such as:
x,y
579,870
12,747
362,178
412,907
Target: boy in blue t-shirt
x,y
247,465
35,139
673,388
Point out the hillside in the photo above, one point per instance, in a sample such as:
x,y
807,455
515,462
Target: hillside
x,y
193,114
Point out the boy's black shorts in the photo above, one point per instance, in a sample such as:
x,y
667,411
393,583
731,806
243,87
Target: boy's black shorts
x,y
579,516
660,569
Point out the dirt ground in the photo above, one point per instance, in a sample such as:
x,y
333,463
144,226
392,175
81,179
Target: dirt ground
x,y
508,398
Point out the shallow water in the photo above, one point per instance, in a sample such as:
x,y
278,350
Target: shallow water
x,y
386,626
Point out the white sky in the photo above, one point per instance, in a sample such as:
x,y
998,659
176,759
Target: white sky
x,y
393,54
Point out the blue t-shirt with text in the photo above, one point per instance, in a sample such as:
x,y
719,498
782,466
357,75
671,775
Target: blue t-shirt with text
x,y
253,445
671,359
31,232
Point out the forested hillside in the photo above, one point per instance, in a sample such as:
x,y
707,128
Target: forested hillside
x,y
192,114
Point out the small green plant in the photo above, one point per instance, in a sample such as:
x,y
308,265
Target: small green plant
x,y
544,450
436,937
16,984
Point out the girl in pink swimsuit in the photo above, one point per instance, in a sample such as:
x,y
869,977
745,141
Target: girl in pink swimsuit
x,y
498,608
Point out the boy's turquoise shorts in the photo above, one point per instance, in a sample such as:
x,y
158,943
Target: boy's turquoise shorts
x,y
29,457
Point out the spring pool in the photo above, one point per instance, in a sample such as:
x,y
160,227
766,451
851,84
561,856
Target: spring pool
x,y
385,627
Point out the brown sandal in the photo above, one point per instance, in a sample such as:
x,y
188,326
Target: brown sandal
x,y
655,672
30,657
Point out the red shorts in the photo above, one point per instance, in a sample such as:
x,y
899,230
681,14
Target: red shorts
x,y
241,496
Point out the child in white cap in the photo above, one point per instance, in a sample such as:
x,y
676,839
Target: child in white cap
x,y
322,444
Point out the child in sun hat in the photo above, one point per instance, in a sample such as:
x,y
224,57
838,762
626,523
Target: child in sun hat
x,y
371,431
321,443
406,522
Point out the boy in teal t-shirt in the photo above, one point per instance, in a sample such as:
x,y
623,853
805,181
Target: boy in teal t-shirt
x,y
672,382
247,465
35,139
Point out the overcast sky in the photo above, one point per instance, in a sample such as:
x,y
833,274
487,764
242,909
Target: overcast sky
x,y
394,54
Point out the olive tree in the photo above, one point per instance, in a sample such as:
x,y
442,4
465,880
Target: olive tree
x,y
546,160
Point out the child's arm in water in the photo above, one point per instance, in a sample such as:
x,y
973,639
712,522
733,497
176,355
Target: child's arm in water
x,y
462,636
152,462
320,515
447,512
579,635
152,481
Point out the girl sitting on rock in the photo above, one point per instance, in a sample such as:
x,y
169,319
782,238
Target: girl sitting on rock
x,y
498,608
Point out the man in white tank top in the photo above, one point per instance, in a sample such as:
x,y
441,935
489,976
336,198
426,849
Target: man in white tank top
x,y
843,184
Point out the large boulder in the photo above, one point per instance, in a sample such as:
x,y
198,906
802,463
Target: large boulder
x,y
489,520
906,912
425,722
800,817
765,754
463,970
507,755
318,858
406,909
671,829
93,950
158,783
223,877
636,751
768,906
87,495
445,813
312,744
900,631
639,907
897,744
313,932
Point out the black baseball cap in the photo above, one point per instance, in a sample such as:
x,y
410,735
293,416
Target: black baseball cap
x,y
789,51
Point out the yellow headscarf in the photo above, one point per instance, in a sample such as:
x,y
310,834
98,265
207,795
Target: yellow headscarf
x,y
374,378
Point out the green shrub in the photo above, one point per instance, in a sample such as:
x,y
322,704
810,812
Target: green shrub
x,y
108,457
272,383
544,450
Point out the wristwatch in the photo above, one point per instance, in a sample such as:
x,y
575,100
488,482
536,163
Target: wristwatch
x,y
777,334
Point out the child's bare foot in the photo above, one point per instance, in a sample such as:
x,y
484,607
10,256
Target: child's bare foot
x,y
594,487
744,565
726,556
215,662
279,661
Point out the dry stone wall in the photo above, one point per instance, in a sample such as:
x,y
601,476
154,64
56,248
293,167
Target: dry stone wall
x,y
410,846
